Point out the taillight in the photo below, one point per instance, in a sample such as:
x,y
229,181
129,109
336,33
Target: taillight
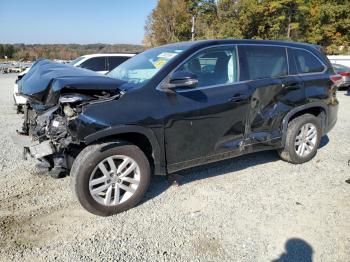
x,y
336,78
344,73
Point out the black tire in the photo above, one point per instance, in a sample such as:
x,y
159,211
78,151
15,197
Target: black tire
x,y
89,158
288,153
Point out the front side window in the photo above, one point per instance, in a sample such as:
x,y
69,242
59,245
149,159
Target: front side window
x,y
306,62
213,66
260,62
95,64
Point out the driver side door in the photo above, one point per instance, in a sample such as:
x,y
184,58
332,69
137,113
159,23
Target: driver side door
x,y
208,122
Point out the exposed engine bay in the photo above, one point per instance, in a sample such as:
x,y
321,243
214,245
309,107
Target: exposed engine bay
x,y
51,112
48,134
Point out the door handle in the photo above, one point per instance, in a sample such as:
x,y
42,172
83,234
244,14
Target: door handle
x,y
239,98
291,85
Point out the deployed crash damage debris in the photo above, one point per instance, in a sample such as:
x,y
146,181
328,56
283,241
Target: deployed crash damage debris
x,y
55,99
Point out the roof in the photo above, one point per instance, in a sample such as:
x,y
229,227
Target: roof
x,y
244,41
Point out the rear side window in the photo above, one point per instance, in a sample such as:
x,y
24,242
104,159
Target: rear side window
x,y
95,64
306,62
259,62
114,61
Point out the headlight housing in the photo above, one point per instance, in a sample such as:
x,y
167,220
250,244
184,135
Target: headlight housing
x,y
74,98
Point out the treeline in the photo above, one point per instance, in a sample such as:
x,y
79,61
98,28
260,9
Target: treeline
x,y
322,22
62,51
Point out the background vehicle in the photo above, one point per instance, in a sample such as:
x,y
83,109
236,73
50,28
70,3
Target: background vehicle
x,y
175,107
100,63
344,71
18,99
9,70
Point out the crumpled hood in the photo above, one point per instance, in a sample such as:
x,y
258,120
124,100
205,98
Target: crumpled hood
x,y
47,78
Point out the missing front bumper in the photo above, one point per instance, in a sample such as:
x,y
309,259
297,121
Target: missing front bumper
x,y
43,149
34,148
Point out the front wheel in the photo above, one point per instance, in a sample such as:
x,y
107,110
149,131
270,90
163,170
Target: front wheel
x,y
110,178
302,139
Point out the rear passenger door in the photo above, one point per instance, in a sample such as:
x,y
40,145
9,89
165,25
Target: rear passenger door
x,y
266,70
97,64
292,85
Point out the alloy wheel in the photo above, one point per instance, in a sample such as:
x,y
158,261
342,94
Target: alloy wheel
x,y
114,180
305,140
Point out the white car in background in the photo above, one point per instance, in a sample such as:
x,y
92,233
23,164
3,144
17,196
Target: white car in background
x,y
19,100
100,63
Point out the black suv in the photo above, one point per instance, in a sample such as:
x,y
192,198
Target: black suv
x,y
174,107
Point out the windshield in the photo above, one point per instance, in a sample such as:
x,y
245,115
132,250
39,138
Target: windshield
x,y
138,70
76,60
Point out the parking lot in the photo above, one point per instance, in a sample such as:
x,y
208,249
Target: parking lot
x,y
251,208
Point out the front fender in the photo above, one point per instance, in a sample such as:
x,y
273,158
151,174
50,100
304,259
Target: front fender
x,y
159,160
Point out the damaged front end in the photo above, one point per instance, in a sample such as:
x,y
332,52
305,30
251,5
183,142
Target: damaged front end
x,y
57,95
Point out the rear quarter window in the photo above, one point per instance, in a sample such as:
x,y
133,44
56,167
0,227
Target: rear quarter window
x,y
259,62
306,62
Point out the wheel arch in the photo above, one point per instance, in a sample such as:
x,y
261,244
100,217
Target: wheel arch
x,y
140,136
316,109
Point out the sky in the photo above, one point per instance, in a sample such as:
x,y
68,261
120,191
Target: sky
x,y
73,21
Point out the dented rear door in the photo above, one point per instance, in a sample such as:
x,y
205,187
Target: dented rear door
x,y
273,93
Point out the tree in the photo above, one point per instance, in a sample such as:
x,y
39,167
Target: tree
x,y
328,24
58,51
252,19
168,22
239,19
8,51
205,14
322,22
171,21
1,51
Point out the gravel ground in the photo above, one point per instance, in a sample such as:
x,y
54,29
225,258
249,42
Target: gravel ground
x,y
252,208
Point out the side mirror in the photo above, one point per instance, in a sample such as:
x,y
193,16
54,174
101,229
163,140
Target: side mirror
x,y
181,79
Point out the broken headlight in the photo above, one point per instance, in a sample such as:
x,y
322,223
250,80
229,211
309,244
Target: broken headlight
x,y
68,111
74,98
68,99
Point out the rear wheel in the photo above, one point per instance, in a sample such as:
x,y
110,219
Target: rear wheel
x,y
302,139
110,178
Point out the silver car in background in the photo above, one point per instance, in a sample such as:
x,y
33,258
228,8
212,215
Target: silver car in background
x,y
344,71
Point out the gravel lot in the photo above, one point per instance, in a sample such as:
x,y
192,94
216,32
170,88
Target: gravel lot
x,y
252,208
